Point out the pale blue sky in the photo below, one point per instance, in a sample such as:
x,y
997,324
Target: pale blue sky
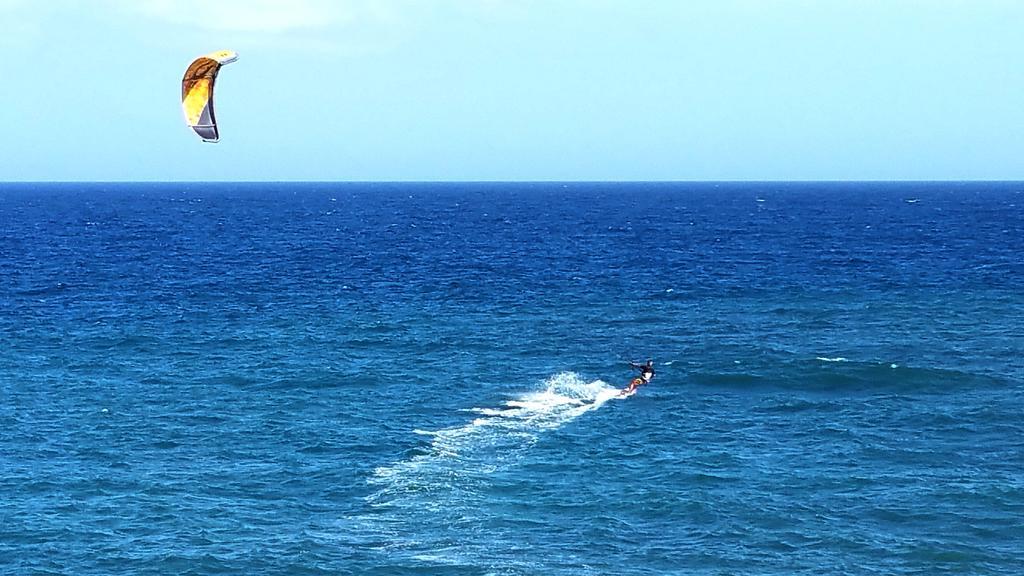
x,y
517,89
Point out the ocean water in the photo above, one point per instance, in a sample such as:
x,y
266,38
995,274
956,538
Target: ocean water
x,y
385,379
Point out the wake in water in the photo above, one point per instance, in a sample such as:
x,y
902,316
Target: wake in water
x,y
434,506
491,441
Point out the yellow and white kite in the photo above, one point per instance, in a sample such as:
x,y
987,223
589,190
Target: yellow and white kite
x,y
197,93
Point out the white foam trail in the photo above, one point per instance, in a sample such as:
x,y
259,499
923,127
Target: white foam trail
x,y
836,359
492,441
449,482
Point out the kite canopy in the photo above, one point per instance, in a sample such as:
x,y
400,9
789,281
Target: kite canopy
x,y
197,92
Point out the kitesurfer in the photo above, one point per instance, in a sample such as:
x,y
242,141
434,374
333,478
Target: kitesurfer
x,y
646,374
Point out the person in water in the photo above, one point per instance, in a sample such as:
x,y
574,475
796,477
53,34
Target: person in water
x,y
646,373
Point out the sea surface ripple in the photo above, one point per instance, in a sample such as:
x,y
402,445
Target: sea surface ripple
x,y
366,379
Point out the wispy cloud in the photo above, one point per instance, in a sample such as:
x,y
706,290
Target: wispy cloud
x,y
279,16
18,30
248,15
337,26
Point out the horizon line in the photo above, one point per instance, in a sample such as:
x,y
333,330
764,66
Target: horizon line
x,y
768,181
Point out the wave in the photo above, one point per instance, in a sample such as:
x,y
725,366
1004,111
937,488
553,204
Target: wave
x,y
837,374
46,290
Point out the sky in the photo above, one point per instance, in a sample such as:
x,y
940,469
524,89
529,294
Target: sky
x,y
428,90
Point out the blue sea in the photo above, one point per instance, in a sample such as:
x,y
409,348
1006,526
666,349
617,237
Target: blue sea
x,y
378,379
